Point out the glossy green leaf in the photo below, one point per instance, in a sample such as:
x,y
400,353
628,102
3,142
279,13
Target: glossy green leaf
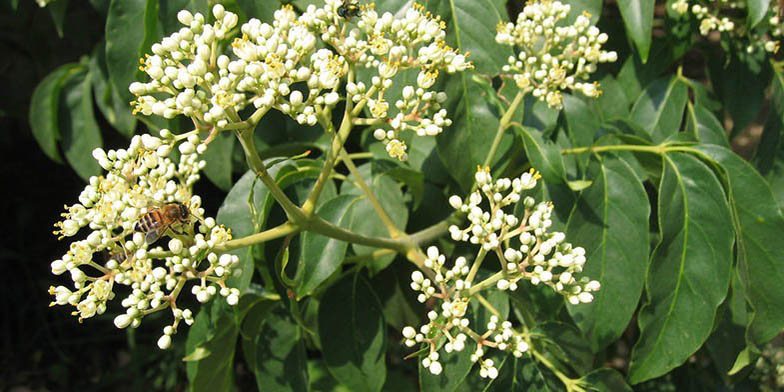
x,y
116,112
470,26
466,143
259,9
610,221
218,157
275,352
413,179
728,338
638,19
757,10
759,224
210,348
367,222
353,334
543,155
705,127
79,130
659,108
605,380
690,268
321,256
564,343
131,26
44,110
582,124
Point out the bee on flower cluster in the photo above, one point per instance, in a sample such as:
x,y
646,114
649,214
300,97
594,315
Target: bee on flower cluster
x,y
156,221
348,9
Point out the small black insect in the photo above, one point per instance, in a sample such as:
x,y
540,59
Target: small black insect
x,y
348,9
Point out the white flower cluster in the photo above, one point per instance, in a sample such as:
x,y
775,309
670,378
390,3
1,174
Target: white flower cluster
x,y
540,257
484,226
387,44
143,196
451,322
717,16
285,67
551,58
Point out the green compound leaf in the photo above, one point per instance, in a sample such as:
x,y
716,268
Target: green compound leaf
x,y
610,221
210,348
638,19
218,157
131,28
757,10
659,108
758,226
76,120
690,268
353,334
544,155
44,105
275,351
320,255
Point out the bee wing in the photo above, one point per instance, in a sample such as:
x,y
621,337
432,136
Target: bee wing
x,y
154,234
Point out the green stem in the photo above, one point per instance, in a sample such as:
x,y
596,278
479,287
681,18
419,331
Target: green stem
x,y
660,149
475,267
380,211
254,162
318,225
339,137
485,283
266,235
502,126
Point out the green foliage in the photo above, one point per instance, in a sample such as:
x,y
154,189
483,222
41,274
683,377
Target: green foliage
x,y
681,231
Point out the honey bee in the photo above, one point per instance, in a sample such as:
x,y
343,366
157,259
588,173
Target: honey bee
x,y
348,9
157,220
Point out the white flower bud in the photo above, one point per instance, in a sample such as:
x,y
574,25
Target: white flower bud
x,y
455,201
122,321
409,332
164,342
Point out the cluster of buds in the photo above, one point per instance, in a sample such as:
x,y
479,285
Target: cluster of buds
x,y
385,45
542,257
724,17
550,57
143,197
283,66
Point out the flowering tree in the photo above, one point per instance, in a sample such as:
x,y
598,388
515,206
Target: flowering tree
x,y
507,208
